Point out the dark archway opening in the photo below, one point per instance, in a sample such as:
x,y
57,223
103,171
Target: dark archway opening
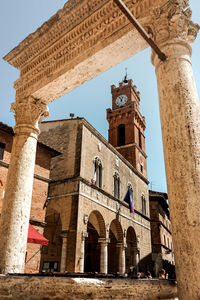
x,y
121,135
116,239
113,254
131,250
92,250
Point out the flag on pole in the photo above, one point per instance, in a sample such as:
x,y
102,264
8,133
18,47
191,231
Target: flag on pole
x,y
129,199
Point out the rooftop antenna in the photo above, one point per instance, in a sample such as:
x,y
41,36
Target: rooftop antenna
x,y
125,77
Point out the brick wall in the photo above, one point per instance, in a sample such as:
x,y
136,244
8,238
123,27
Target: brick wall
x,y
40,189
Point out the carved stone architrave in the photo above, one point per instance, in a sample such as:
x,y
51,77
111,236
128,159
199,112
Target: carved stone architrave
x,y
81,29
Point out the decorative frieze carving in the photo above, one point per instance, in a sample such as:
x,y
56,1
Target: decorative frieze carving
x,y
30,112
78,27
172,21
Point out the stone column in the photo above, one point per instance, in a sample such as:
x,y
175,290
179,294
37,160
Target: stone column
x,y
82,258
64,235
137,259
18,193
180,120
104,255
122,259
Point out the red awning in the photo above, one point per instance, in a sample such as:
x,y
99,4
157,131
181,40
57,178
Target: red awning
x,y
35,237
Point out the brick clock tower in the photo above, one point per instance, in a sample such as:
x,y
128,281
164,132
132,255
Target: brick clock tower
x,y
127,125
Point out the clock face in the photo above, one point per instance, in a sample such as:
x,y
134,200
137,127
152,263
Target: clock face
x,y
121,100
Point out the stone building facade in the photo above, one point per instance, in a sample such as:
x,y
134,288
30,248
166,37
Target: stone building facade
x,y
161,236
40,189
89,225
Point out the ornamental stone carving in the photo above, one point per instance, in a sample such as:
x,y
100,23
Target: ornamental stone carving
x,y
30,112
172,21
80,29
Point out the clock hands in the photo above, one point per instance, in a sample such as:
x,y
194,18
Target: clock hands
x,y
121,100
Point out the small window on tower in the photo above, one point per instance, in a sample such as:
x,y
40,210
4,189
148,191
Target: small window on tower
x,y
121,135
139,138
143,204
2,148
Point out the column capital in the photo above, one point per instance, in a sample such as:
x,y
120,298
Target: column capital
x,y
103,240
121,245
64,234
29,112
172,22
84,235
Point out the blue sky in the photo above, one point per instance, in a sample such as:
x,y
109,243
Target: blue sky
x,y
19,18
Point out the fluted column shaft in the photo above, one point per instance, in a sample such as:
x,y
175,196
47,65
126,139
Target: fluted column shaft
x,y
17,200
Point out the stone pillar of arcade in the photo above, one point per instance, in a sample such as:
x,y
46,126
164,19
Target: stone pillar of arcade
x,y
137,259
122,258
64,235
103,255
173,31
17,201
82,258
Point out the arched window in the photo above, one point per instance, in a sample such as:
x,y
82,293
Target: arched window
x,y
116,183
143,204
2,148
139,138
97,177
121,135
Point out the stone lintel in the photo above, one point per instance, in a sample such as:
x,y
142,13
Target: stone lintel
x,y
76,45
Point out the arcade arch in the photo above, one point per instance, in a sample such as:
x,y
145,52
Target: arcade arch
x,y
96,233
52,232
115,246
131,249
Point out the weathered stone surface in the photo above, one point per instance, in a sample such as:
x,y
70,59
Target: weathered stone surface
x,y
180,121
17,201
62,288
76,45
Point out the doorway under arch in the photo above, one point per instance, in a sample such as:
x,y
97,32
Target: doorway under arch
x,y
131,250
96,230
116,238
